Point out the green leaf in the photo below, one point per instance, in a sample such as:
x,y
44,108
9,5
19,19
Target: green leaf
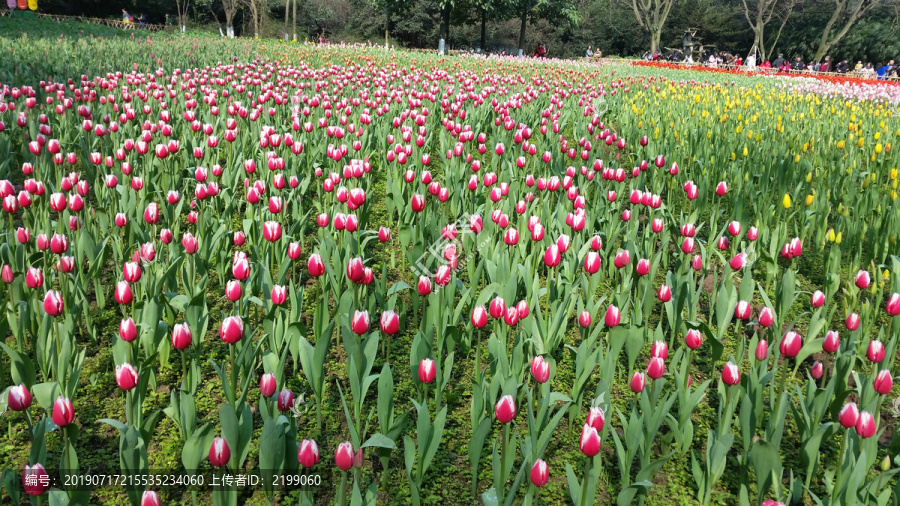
x,y
380,441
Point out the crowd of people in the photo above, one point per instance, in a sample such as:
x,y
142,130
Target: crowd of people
x,y
781,64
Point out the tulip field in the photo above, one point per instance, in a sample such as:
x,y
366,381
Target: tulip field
x,y
252,272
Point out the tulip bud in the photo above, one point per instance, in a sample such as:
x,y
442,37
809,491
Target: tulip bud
x,y
791,344
596,418
832,342
693,339
883,382
181,336
816,370
863,279
865,425
664,294
359,324
656,368
267,385
505,410
343,456
308,453
638,381
539,473
590,441
219,453
18,398
315,265
817,299
875,351
126,376
612,316
63,411
731,375
848,415
232,329
285,400
426,370
53,303
35,480
150,498
540,369
766,317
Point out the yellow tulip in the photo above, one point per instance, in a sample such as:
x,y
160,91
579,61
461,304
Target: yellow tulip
x,y
829,236
745,151
878,148
809,200
786,201
860,142
886,275
797,158
837,240
893,174
840,144
878,134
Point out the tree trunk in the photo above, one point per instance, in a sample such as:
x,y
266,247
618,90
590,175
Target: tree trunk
x,y
295,20
287,10
387,24
229,19
254,14
823,41
655,35
525,9
483,32
445,24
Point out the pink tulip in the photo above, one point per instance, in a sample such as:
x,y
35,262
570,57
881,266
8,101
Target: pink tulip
x,y
596,418
762,350
53,303
584,319
743,310
693,339
589,442
865,425
731,375
126,376
552,256
863,279
359,324
426,370
852,322
150,498
664,294
659,349
18,398
791,344
63,411
540,369
343,456
181,336
656,368
766,317
308,453
612,316
285,400
423,286
848,415
219,453
817,299
893,304
267,385
390,322
883,382
540,473
35,480
505,410
232,329
832,342
315,266
875,351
